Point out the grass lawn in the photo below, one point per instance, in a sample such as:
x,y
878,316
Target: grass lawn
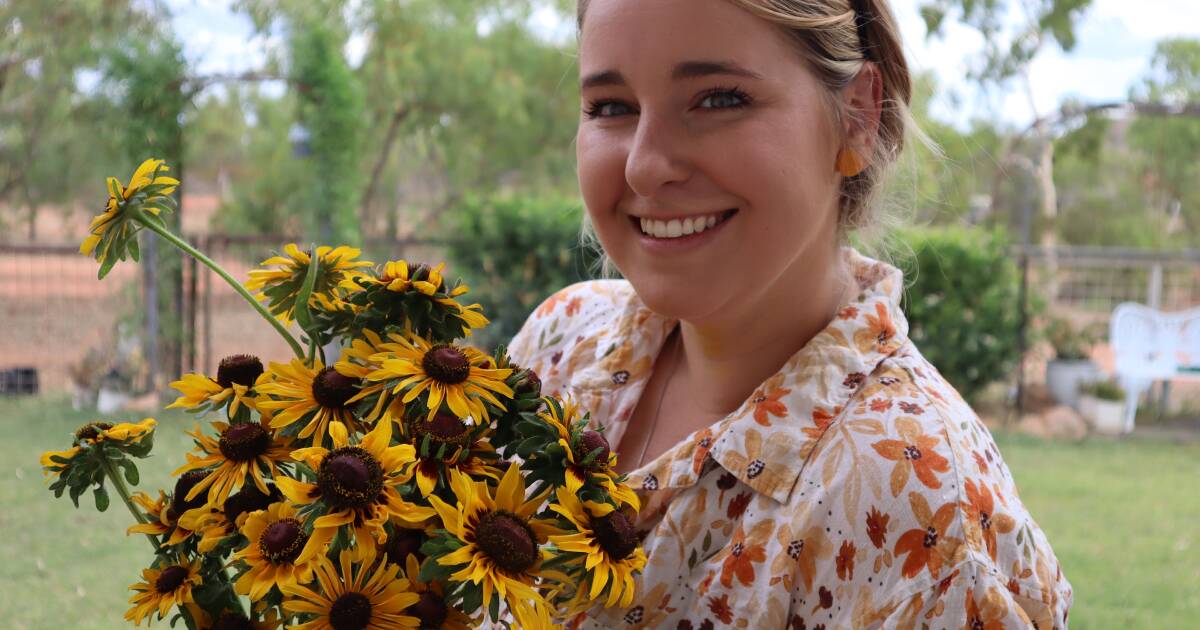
x,y
1122,516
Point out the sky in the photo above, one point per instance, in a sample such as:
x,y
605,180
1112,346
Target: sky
x,y
1115,42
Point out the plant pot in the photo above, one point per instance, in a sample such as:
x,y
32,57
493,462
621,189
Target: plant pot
x,y
110,400
1105,416
1063,379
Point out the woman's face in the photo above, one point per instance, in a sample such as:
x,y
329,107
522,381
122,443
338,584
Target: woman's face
x,y
696,109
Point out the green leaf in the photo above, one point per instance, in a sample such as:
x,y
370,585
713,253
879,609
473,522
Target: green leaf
x,y
130,470
101,496
303,314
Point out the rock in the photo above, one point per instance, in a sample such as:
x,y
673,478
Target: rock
x,y
1063,422
1033,424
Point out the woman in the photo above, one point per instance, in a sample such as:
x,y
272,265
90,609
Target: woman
x,y
800,464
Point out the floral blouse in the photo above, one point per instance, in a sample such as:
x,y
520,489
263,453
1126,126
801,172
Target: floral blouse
x,y
854,489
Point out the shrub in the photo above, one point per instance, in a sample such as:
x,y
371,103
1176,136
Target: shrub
x,y
962,304
514,251
1104,390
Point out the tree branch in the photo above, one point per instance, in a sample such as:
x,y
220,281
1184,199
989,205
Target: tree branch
x,y
366,215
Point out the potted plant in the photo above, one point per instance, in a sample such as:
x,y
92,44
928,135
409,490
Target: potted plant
x,y
1102,403
1071,365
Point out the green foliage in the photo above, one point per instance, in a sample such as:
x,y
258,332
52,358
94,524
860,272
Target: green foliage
x,y
1070,342
514,252
962,304
331,109
1104,390
1008,44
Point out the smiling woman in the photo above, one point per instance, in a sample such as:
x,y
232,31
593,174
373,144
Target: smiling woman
x,y
800,463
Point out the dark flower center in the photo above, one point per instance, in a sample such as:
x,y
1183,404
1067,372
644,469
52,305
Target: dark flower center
x,y
507,540
91,431
239,369
616,534
588,442
430,609
445,427
350,478
351,611
931,536
402,542
170,579
912,452
179,500
244,442
248,499
332,389
446,364
282,541
985,520
232,621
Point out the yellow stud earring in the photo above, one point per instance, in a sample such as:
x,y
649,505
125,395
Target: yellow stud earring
x,y
849,162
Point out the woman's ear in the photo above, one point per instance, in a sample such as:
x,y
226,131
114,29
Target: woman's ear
x,y
862,101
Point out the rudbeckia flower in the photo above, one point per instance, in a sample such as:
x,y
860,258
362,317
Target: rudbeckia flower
x,y
314,395
431,609
281,286
394,286
607,544
367,597
236,376
356,487
163,589
242,450
276,538
113,233
589,458
500,541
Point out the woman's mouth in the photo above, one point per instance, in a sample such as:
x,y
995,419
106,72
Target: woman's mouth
x,y
678,234
679,228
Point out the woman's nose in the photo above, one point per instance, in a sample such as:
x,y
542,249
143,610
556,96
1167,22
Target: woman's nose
x,y
657,157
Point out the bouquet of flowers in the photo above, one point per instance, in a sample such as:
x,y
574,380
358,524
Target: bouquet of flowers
x,y
413,481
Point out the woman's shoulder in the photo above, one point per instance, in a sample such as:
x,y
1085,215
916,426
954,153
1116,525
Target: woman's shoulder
x,y
557,335
915,480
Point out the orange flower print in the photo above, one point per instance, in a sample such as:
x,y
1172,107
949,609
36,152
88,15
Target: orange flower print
x,y
877,524
741,559
879,335
719,606
988,616
552,302
981,510
765,403
913,452
737,505
704,443
804,551
822,419
880,405
573,306
845,561
927,547
849,312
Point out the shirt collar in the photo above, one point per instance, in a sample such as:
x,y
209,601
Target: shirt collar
x,y
766,441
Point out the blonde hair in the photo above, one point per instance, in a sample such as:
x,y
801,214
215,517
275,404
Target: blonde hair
x,y
836,38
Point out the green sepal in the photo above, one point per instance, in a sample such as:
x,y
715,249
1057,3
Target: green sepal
x,y
101,496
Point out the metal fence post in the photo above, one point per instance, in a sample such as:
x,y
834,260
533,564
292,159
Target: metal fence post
x,y
1154,290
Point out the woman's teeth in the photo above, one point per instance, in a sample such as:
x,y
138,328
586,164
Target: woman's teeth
x,y
676,228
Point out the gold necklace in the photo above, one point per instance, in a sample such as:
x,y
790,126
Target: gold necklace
x,y
658,407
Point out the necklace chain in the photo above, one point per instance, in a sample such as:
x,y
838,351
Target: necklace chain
x,y
658,407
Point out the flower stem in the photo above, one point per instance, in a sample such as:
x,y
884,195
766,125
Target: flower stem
x,y
123,491
237,286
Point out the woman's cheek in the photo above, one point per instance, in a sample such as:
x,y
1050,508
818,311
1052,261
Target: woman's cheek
x,y
601,165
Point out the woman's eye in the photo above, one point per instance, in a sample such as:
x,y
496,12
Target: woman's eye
x,y
607,109
724,99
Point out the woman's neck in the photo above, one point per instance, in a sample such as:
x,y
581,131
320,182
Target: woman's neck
x,y
725,357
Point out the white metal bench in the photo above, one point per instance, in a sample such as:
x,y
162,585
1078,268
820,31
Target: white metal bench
x,y
1149,346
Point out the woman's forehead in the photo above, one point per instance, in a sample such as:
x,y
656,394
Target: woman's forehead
x,y
655,36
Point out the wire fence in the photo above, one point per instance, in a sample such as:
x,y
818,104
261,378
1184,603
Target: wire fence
x,y
63,330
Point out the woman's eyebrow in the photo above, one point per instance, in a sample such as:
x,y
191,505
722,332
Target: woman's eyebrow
x,y
683,70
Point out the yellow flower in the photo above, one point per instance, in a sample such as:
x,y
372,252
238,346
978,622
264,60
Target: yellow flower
x,y
316,394
282,286
356,487
372,597
364,356
387,288
236,376
112,233
563,416
242,450
462,449
276,538
431,609
216,523
126,436
235,619
501,542
163,589
607,542
461,376
57,462
176,519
